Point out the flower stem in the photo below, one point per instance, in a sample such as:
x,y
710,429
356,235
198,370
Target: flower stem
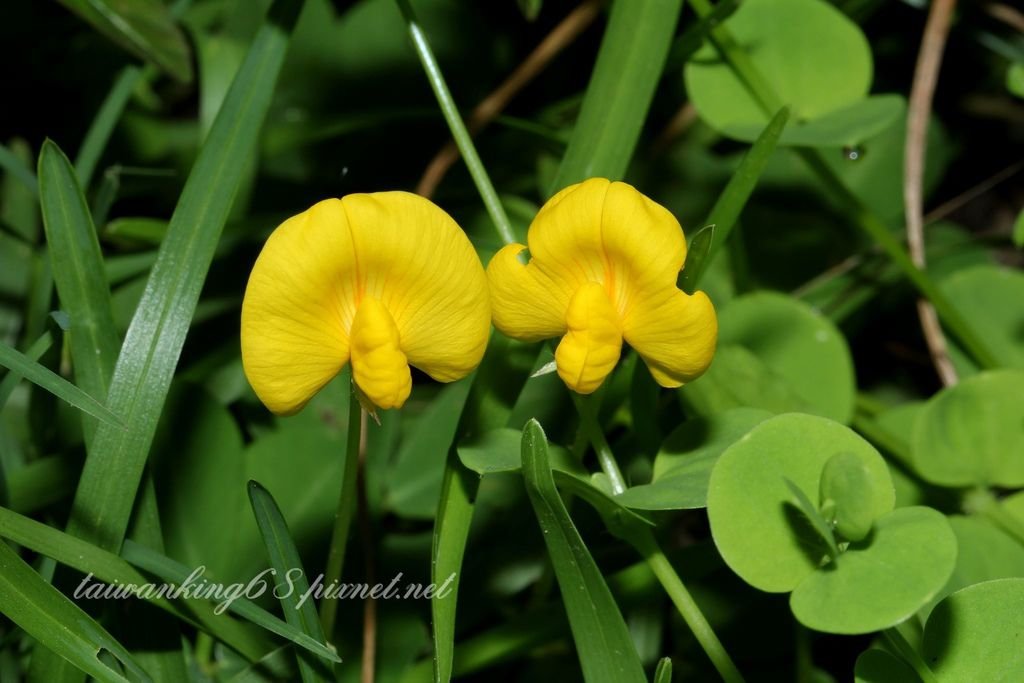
x,y
343,515
458,129
862,216
643,540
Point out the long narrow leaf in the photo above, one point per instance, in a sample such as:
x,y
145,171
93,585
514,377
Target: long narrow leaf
x,y
15,361
628,68
602,638
284,559
103,124
10,163
45,614
33,353
157,333
144,27
78,273
736,193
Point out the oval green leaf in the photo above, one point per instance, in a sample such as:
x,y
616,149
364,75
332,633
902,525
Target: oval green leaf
x,y
755,522
977,634
882,580
973,433
989,298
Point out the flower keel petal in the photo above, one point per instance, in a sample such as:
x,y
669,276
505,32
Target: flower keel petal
x,y
379,367
593,344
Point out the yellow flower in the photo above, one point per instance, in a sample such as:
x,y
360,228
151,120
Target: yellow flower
x,y
383,280
603,263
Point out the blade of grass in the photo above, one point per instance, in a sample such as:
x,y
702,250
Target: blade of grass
x,y
860,214
168,570
663,674
10,162
629,65
42,376
146,365
734,197
98,135
284,559
78,273
33,353
52,619
602,638
457,126
146,29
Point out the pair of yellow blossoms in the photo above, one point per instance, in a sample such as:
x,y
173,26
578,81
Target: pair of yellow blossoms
x,y
389,280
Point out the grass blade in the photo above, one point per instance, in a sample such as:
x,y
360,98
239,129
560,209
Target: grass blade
x,y
78,273
33,353
10,162
42,376
284,559
157,333
628,68
663,674
145,28
602,638
168,570
735,195
103,125
52,619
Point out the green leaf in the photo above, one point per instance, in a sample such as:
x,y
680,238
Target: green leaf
x,y
845,483
102,126
970,433
683,465
56,622
698,251
629,65
157,333
285,561
977,634
145,28
34,353
1015,79
170,571
815,59
989,297
878,666
812,515
883,580
760,534
78,273
42,376
663,674
16,168
806,358
737,192
500,450
603,643
848,126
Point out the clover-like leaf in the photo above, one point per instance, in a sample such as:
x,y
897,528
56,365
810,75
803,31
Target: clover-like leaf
x,y
845,485
760,532
973,433
882,580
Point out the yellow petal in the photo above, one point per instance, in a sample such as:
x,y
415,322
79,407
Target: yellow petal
x,y
297,307
379,367
591,348
525,304
674,333
420,265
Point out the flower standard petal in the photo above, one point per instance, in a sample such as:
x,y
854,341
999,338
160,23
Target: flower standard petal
x,y
298,307
421,266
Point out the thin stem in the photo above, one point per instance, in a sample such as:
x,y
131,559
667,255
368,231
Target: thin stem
x,y
685,604
899,643
981,501
368,674
586,406
343,515
643,540
458,128
861,215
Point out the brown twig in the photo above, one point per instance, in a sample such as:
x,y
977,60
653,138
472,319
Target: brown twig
x,y
926,74
676,126
368,672
491,106
1010,16
967,196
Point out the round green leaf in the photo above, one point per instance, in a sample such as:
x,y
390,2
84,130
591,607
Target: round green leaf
x,y
757,526
882,580
989,298
977,634
985,553
848,126
878,666
801,348
810,54
973,433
